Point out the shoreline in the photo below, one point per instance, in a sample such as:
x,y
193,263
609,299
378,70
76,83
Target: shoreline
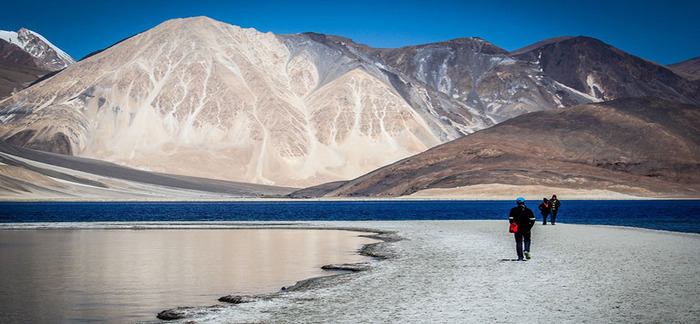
x,y
372,250
409,287
482,192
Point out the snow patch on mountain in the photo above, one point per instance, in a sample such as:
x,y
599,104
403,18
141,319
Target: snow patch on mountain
x,y
39,47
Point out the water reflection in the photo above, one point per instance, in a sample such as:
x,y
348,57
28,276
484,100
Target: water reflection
x,y
130,275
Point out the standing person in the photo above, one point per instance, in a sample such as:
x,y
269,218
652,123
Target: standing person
x,y
544,210
554,203
525,219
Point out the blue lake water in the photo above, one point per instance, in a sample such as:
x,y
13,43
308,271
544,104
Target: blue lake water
x,y
671,215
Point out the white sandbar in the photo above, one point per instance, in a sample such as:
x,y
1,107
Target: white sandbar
x,y
453,272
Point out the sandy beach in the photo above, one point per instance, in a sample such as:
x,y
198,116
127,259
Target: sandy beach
x,y
460,272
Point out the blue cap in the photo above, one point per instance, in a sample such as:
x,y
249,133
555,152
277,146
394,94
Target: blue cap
x,y
520,200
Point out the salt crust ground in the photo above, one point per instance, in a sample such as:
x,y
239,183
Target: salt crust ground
x,y
455,272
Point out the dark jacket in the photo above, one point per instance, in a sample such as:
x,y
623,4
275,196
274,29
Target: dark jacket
x,y
544,208
523,216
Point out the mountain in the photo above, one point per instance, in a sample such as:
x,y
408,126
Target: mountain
x,y
18,69
25,57
636,146
480,76
47,55
689,68
607,73
202,98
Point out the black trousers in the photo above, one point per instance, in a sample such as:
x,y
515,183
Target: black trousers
x,y
519,238
554,215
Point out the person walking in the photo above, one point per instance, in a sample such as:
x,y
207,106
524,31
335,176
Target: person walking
x,y
554,204
525,219
544,210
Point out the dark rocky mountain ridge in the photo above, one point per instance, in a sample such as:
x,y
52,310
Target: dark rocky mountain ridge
x,y
607,73
18,69
26,57
638,146
13,54
470,81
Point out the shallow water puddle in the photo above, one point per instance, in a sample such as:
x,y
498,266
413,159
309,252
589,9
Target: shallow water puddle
x,y
130,275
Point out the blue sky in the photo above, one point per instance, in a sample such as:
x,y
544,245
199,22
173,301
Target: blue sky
x,y
662,31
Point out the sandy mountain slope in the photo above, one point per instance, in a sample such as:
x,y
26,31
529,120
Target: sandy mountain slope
x,y
642,147
204,98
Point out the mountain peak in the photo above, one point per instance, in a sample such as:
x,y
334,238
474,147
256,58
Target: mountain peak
x,y
690,69
200,24
481,44
189,21
579,40
476,44
540,44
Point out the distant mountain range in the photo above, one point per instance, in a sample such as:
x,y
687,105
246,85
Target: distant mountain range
x,y
200,98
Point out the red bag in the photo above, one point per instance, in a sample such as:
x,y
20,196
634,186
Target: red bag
x,y
513,228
